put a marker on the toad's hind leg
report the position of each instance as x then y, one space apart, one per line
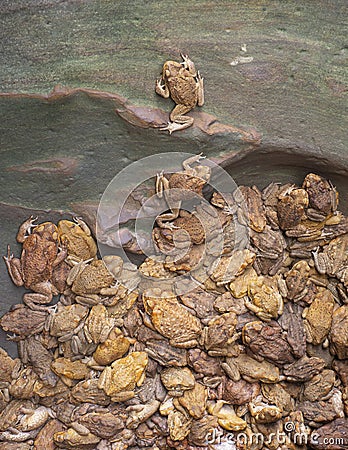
178 120
14 268
42 295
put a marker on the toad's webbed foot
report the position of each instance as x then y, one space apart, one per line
174 126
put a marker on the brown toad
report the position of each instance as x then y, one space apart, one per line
277 394
89 391
65 321
333 260
297 280
252 210
73 439
40 255
33 352
227 268
160 351
318 317
291 321
319 387
322 411
23 321
191 260
304 368
22 385
339 332
267 340
10 414
8 367
76 237
184 185
239 286
102 423
177 380
44 439
265 299
239 392
179 424
218 337
323 197
263 412
227 418
200 301
98 324
291 207
194 400
114 347
250 369
184 85
87 280
192 225
171 319
269 243
119 380
70 370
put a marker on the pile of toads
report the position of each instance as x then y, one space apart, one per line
258 347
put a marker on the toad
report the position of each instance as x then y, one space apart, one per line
333 260
172 319
184 185
265 299
184 84
339 332
119 380
34 269
77 238
318 317
87 281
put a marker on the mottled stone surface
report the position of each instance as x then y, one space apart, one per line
296 80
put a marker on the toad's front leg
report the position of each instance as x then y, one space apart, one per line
162 88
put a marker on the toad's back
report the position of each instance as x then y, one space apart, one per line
183 89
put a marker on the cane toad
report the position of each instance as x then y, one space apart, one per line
339 332
119 380
184 84
40 255
77 238
322 195
184 185
87 280
318 317
265 299
171 319
334 259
